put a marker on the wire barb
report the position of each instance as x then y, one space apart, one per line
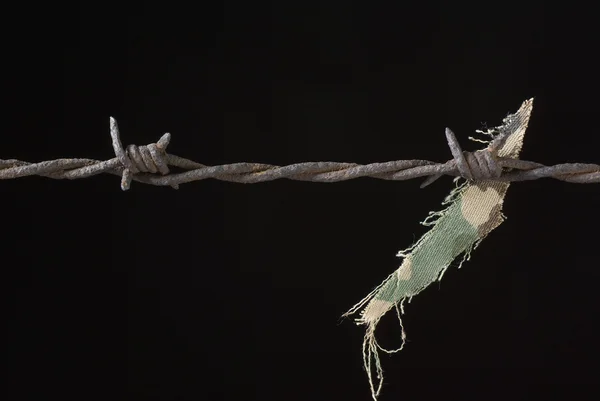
142 163
149 158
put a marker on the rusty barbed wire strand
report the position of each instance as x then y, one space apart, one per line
141 163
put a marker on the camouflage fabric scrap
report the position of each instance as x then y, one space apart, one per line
473 211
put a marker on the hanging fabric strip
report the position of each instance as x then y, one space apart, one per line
472 211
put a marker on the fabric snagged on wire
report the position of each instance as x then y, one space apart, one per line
472 211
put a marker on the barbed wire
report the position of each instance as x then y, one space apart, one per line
143 163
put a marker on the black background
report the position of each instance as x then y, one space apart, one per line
222 291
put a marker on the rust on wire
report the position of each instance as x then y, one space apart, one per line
150 164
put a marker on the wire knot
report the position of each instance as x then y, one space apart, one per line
474 166
151 158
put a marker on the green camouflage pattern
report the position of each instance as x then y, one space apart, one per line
473 211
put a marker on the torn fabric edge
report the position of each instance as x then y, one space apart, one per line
472 211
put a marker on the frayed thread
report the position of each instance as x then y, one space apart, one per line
371 348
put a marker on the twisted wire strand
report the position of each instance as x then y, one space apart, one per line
143 163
